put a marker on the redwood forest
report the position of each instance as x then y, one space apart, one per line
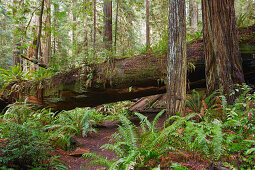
127 84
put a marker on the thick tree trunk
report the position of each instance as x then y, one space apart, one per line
147 23
108 24
222 59
176 58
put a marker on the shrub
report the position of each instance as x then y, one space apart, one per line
22 147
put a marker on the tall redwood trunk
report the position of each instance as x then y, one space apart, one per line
16 41
147 23
176 57
46 46
193 14
108 24
38 43
74 52
95 23
116 27
223 66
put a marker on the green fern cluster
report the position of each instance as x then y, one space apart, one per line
69 123
133 148
21 146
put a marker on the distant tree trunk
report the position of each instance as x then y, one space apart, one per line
223 66
16 42
56 43
47 44
95 24
116 27
39 32
108 24
193 14
86 26
176 58
147 23
74 28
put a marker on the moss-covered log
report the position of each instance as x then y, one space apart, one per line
129 78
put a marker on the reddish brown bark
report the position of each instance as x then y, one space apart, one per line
108 24
222 59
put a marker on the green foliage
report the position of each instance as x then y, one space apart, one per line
113 110
191 37
197 102
131 146
13 74
21 146
177 166
216 131
69 123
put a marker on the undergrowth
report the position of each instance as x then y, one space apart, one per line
221 133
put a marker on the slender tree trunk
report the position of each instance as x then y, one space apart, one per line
223 66
95 24
74 29
16 50
116 27
176 57
147 23
47 43
56 44
193 14
108 24
39 32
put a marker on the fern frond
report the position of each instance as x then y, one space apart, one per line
97 160
144 121
129 131
155 120
217 141
118 151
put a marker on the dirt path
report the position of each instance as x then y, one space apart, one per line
94 142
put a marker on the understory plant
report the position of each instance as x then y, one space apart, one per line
22 147
218 132
69 123
133 147
223 131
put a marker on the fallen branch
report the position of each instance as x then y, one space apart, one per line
35 61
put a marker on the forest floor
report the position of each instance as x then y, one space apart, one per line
93 142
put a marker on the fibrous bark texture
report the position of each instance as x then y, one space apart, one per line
108 24
147 23
223 66
176 57
193 14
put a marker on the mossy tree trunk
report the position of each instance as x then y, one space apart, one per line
223 66
176 57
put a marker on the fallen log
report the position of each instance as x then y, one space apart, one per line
128 78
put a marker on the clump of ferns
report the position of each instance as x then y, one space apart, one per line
133 148
208 107
67 124
205 137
